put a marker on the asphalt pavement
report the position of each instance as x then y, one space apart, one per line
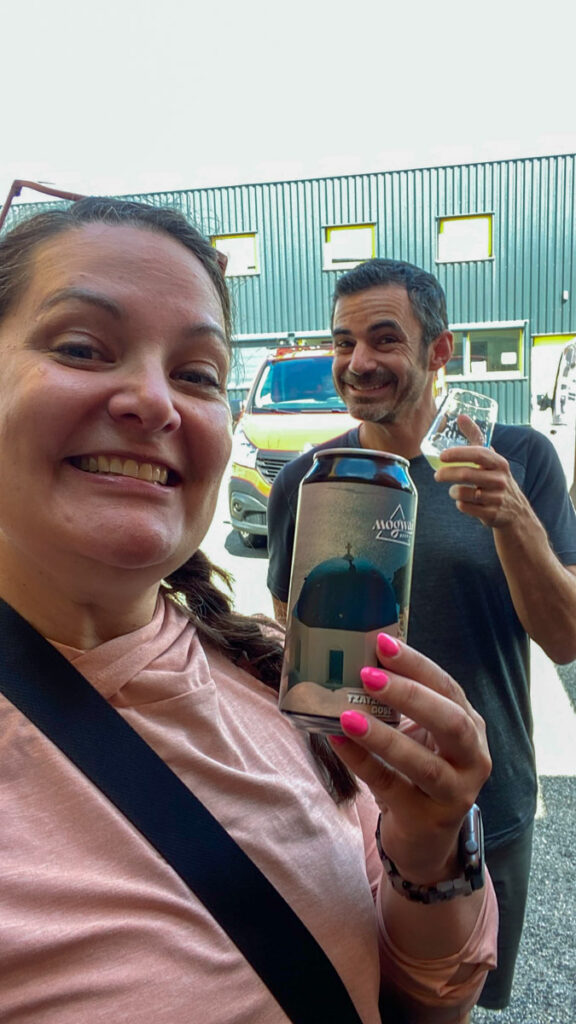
545 982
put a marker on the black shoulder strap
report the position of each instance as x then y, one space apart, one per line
39 681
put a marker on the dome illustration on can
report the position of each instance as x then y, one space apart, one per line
343 604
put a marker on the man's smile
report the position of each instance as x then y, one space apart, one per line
367 384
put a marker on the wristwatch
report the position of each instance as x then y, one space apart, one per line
470 855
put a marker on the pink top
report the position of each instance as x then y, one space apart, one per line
96 927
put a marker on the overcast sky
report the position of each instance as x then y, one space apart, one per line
124 97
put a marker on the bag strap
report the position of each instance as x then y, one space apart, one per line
42 683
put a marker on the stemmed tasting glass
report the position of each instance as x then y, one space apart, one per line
445 431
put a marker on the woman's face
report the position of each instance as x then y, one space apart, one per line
114 422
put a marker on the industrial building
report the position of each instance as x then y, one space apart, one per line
500 236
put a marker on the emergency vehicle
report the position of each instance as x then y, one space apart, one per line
292 406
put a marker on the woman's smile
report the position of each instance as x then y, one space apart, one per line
115 465
115 365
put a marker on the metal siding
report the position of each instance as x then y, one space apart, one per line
533 207
283 306
566 321
512 396
470 287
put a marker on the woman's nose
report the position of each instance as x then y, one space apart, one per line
145 397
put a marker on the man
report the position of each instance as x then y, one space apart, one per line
495 548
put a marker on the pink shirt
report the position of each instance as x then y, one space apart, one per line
96 927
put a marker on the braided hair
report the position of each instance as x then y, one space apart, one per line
247 642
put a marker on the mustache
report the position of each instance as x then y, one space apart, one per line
373 379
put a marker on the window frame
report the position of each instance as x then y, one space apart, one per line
346 264
440 221
489 326
219 242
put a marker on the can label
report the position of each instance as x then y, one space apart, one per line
350 581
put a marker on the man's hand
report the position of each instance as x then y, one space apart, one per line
485 490
543 590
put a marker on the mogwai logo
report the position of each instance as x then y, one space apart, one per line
395 529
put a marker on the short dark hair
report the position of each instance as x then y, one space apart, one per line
425 292
18 246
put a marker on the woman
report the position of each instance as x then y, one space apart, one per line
114 435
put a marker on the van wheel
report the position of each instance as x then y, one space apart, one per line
252 540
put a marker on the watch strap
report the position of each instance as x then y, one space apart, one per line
471 855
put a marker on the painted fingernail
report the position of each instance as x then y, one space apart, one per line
354 723
337 739
373 678
387 645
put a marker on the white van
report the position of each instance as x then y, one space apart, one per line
562 402
292 406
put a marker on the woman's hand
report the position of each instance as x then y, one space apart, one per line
424 775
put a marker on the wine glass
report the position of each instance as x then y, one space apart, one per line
445 431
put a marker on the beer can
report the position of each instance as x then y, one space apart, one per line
350 580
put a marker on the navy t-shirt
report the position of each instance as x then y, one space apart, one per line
461 612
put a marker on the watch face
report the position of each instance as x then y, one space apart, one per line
471 847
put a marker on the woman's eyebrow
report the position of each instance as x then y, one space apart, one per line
82 295
110 306
194 330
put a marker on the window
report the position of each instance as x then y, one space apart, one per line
465 238
242 253
346 245
455 366
335 668
487 351
297 385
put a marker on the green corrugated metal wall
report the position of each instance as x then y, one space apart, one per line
533 207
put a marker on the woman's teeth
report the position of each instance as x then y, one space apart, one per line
123 467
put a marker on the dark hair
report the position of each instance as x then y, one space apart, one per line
17 247
425 292
249 642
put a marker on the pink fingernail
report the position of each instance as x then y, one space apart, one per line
337 739
354 723
387 645
373 678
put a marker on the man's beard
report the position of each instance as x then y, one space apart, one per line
359 402
384 411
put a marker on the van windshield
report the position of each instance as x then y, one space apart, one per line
297 385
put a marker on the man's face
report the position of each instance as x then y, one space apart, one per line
380 364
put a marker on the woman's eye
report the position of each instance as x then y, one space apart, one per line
204 378
77 350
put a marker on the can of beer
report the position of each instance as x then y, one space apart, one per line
350 580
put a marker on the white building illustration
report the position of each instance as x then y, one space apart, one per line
343 604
